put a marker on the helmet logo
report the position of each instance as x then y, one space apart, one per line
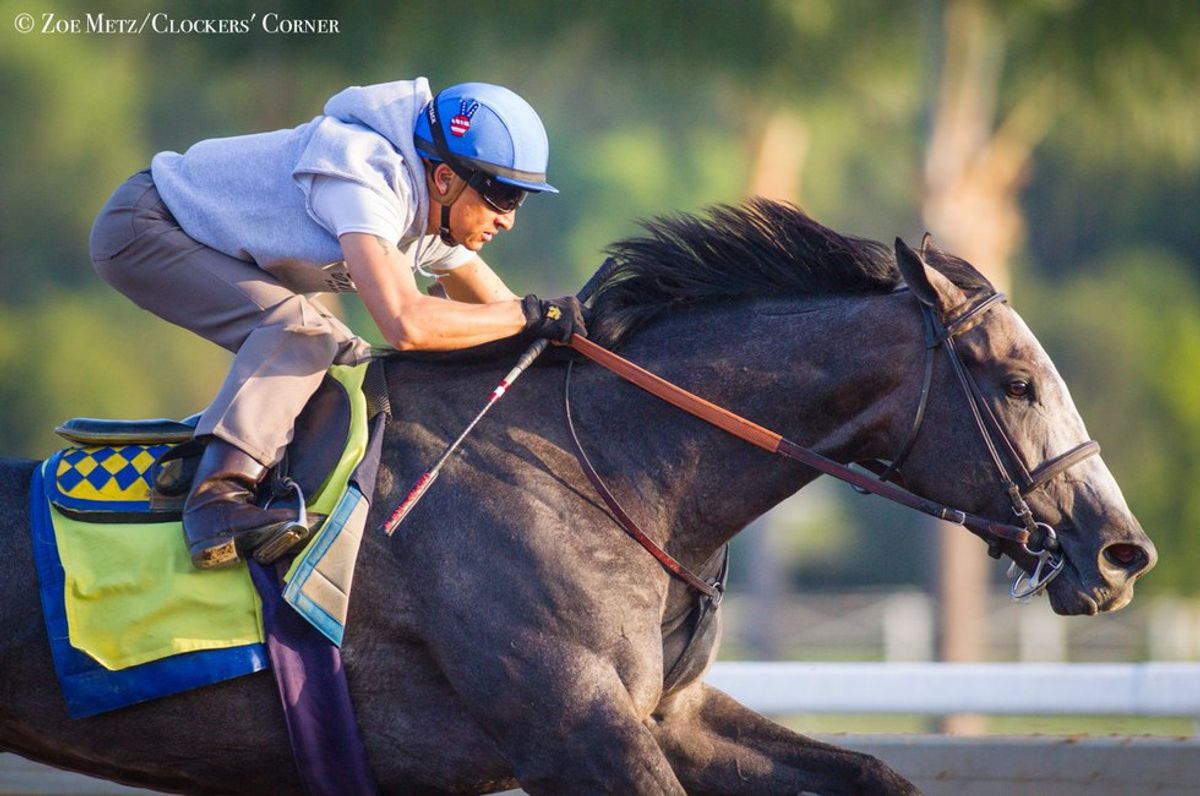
461 122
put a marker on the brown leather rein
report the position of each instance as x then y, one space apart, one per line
937 335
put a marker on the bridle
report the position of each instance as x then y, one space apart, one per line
1037 539
1042 544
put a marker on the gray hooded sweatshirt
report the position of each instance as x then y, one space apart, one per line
248 196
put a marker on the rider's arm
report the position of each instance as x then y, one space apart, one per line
410 320
475 283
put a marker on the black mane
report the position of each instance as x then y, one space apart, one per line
760 249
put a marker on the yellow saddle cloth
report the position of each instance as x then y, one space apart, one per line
133 596
130 591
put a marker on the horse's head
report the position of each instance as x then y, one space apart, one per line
1104 547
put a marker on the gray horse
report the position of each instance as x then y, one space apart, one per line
511 633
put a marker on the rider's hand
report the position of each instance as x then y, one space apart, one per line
555 319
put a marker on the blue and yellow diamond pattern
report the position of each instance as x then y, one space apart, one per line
112 478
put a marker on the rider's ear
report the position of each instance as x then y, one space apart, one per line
441 179
437 182
927 284
444 185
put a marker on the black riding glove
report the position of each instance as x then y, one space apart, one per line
555 319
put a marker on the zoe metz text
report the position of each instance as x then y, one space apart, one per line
161 22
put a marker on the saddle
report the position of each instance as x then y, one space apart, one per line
134 473
142 470
129 617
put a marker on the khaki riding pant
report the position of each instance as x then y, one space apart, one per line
283 342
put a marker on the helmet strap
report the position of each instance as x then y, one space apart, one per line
461 171
444 229
446 199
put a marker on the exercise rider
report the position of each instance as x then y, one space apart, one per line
231 238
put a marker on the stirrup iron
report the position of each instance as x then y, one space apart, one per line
288 535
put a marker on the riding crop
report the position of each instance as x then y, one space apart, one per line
422 484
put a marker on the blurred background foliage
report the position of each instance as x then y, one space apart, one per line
1056 143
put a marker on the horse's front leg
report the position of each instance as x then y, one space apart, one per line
718 746
560 714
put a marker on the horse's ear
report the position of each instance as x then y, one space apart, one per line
927 284
940 261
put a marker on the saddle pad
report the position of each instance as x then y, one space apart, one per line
112 478
319 579
91 688
132 594
318 584
128 616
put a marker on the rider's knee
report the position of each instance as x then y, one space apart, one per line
305 327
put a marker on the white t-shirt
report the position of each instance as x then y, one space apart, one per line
345 206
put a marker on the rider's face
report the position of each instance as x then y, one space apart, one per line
474 222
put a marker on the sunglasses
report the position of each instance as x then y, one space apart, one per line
501 197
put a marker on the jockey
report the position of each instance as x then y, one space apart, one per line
231 238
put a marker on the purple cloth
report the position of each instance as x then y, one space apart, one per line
326 745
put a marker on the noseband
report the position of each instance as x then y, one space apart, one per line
1042 543
1037 539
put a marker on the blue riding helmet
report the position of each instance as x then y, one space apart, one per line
486 128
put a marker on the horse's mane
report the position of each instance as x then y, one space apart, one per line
761 249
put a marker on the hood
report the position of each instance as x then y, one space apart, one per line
390 109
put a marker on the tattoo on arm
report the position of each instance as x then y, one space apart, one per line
383 244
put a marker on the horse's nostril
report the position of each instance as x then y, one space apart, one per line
1129 557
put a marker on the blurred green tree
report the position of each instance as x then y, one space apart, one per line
1076 120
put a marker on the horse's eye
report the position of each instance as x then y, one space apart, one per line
1018 388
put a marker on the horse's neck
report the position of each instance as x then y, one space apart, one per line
832 374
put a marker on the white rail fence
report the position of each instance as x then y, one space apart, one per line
988 765
1138 689
898 626
939 765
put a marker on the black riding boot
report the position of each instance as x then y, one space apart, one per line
220 519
